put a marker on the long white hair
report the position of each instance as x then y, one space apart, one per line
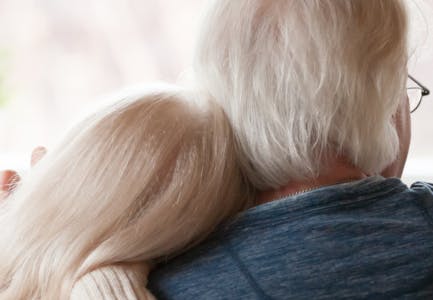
304 79
141 180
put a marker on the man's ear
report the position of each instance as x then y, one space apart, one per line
403 127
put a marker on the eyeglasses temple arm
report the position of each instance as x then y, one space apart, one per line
425 91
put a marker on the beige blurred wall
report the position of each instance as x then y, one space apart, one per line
58 57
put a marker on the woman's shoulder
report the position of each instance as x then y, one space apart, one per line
113 283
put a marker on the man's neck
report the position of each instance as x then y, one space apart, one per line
340 171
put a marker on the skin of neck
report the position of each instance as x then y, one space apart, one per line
339 171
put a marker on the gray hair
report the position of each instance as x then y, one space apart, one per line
301 80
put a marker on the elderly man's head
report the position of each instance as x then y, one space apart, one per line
305 80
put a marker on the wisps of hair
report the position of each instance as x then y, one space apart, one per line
301 80
141 180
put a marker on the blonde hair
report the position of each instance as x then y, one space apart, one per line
141 180
302 80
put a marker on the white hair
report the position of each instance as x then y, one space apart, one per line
304 79
141 180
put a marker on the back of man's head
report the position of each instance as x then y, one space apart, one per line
301 80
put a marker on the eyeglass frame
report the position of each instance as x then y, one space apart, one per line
424 91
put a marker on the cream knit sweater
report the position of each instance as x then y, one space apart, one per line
112 283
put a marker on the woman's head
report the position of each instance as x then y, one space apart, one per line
142 179
301 80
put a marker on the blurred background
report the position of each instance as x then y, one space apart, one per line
57 57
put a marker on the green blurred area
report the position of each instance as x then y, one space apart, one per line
3 93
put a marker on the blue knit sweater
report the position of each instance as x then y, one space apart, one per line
370 239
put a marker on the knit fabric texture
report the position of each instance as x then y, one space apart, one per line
369 239
111 283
